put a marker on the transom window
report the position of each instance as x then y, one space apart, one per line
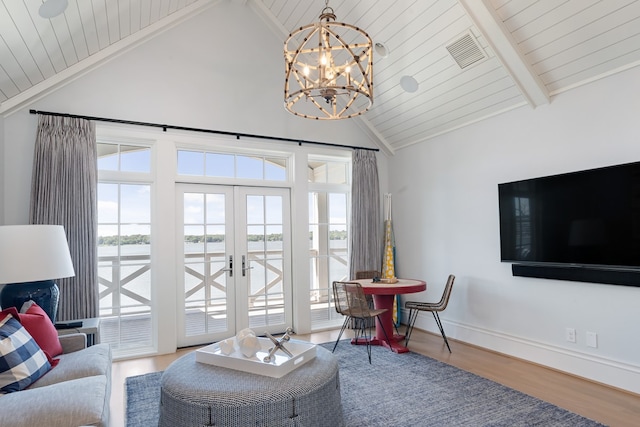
124 158
225 165
327 171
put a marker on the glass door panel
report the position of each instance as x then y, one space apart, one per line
236 266
266 234
206 305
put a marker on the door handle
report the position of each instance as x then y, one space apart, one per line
244 266
230 268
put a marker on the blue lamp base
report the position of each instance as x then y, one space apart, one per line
45 293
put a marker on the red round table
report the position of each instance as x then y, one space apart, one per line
383 297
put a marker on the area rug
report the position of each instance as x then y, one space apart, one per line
399 390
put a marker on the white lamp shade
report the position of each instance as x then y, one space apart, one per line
30 253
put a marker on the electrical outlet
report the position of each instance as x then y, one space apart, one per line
570 334
592 339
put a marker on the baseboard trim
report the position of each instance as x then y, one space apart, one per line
603 370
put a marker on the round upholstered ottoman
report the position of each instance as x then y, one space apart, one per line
197 394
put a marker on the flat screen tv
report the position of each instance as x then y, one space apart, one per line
586 219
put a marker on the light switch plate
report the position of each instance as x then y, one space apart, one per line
592 339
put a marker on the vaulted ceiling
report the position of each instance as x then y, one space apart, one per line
524 52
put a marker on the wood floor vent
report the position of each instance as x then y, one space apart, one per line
466 51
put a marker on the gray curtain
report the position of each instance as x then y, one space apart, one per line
63 192
366 227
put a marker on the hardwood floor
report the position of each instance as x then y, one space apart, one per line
598 402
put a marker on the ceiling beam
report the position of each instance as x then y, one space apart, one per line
376 136
486 19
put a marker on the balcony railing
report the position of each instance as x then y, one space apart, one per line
129 276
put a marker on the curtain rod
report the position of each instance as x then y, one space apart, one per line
164 127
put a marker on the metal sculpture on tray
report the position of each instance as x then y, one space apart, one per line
278 345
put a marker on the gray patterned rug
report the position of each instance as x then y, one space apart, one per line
399 390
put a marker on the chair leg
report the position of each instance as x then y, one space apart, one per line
367 337
371 322
361 331
344 325
413 314
439 323
364 331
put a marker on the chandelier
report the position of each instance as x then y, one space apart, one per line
329 70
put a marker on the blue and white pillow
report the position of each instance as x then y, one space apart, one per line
22 361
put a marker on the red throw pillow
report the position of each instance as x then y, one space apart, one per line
38 324
7 311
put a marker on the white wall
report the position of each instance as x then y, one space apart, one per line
2 163
446 221
208 72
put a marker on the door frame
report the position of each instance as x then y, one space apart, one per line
237 287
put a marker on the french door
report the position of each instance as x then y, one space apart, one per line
235 261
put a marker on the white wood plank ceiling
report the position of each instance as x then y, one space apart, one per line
532 50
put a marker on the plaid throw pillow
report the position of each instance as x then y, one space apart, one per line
22 361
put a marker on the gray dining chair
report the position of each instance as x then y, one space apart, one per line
368 274
350 301
415 307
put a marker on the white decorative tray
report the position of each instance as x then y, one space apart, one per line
280 365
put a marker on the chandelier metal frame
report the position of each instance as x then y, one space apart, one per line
328 70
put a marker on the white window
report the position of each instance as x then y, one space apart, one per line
225 165
124 245
328 235
145 180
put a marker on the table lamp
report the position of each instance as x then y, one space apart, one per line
31 257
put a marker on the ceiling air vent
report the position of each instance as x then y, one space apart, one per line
466 51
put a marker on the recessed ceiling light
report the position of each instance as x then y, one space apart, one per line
381 50
52 8
409 84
